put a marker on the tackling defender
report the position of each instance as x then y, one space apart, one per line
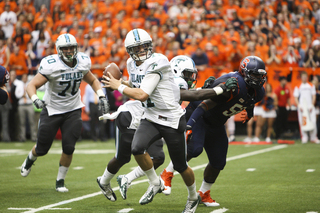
63 73
208 119
4 78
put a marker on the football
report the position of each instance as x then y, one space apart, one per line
114 70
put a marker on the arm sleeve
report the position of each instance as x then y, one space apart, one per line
150 82
3 96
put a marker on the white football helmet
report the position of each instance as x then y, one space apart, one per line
66 40
184 67
135 40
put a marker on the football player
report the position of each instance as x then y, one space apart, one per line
4 78
152 83
62 73
207 121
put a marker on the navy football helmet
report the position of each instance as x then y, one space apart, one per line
252 68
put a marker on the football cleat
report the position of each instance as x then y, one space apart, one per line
256 140
206 199
107 190
247 140
191 205
26 166
151 192
60 186
123 185
166 177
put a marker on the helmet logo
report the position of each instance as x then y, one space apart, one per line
136 35
244 63
67 38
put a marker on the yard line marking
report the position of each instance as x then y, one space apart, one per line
146 180
11 152
125 210
310 170
33 208
250 169
78 167
219 210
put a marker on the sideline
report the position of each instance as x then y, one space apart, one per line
146 180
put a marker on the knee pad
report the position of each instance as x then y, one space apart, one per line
218 165
157 162
68 150
194 152
42 152
180 168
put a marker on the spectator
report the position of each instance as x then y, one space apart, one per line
315 82
18 61
311 60
25 110
7 21
31 56
274 59
200 58
297 46
291 57
41 44
263 22
4 54
305 98
269 111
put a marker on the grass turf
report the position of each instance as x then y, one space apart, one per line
279 182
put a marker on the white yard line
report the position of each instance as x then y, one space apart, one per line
219 210
146 180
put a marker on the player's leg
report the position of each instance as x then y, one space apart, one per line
304 135
175 139
22 119
216 146
314 132
248 139
231 127
259 124
48 127
146 134
70 131
123 141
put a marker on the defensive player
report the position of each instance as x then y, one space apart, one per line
208 119
4 78
185 74
63 73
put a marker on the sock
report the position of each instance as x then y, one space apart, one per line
205 186
134 174
62 172
192 192
170 167
152 176
31 156
106 177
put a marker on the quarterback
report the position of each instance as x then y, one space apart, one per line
62 73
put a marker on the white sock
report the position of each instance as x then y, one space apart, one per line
192 192
152 176
134 174
106 177
31 156
205 186
62 172
170 167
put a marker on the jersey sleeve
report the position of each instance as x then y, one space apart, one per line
222 98
85 62
158 65
44 68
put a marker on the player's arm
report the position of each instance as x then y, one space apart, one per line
148 84
3 95
96 86
32 87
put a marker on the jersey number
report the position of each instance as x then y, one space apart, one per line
235 109
149 103
75 87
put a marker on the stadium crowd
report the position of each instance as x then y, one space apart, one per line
216 34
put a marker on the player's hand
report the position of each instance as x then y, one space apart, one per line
209 81
230 84
110 82
39 104
188 133
103 105
244 117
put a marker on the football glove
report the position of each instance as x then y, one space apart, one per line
103 105
244 117
39 104
230 84
209 81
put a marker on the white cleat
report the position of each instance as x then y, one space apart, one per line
60 186
191 205
123 185
107 190
207 200
151 192
26 167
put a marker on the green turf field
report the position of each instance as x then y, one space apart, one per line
279 182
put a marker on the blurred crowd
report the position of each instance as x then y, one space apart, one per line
216 34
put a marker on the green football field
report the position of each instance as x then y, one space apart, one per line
257 178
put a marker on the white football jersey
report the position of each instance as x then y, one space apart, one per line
182 84
162 106
304 93
62 92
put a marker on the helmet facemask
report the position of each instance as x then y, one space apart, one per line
189 76
141 51
256 79
68 57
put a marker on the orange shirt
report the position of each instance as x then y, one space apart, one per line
3 55
228 10
247 13
19 60
98 60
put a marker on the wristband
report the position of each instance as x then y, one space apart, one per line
34 97
199 88
218 90
100 93
121 88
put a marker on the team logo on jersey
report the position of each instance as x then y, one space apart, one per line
244 63
241 100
